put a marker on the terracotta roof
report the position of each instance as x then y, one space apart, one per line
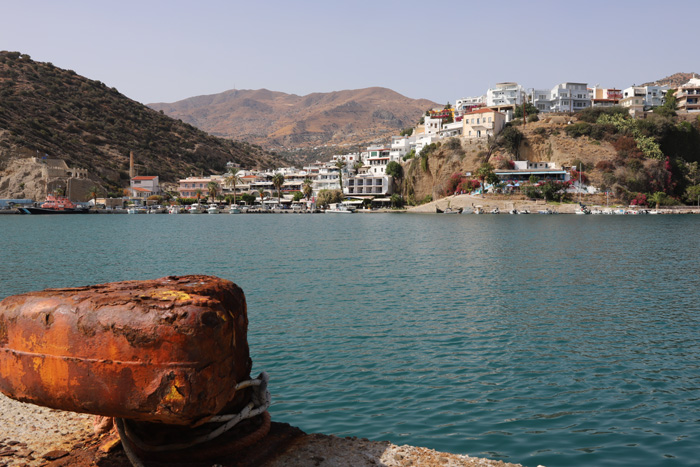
144 177
143 190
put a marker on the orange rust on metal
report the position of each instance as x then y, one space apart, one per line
169 350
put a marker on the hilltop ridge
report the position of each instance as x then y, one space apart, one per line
278 120
49 111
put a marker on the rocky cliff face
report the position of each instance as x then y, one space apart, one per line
22 179
544 141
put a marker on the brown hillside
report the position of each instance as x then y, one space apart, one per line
279 120
45 110
674 81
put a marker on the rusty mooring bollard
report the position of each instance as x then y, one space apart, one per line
165 354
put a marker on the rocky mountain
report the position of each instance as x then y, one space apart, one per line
49 112
282 121
675 80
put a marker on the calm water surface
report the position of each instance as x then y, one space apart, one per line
554 340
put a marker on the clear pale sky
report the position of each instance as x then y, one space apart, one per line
164 51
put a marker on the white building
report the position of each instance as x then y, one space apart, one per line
541 100
377 160
688 96
564 97
328 178
144 186
432 126
424 140
400 146
467 104
505 94
451 129
350 159
366 183
653 96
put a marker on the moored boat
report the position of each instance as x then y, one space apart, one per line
448 210
213 209
196 209
56 204
339 208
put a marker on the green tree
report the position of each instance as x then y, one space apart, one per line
530 109
485 173
277 182
233 179
248 199
397 201
213 189
670 100
510 139
327 197
660 198
395 170
298 196
692 194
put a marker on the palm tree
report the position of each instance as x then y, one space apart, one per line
307 189
232 179
94 193
277 182
198 194
262 194
340 164
213 189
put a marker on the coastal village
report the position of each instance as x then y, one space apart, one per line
369 180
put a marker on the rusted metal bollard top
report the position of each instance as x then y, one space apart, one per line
169 350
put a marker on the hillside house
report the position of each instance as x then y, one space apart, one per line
604 97
482 123
144 186
688 96
652 96
368 182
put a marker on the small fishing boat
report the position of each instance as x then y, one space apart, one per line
196 209
213 209
448 210
234 209
339 208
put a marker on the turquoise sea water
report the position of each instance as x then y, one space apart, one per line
553 340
